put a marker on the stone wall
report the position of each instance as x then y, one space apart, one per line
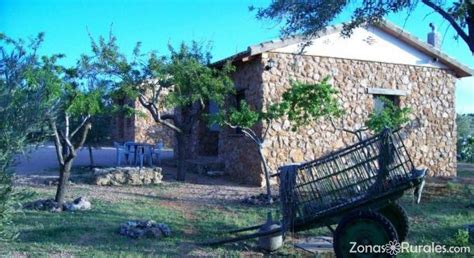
140 127
147 130
237 152
123 128
431 141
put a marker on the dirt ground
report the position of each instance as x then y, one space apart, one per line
197 190
204 192
197 194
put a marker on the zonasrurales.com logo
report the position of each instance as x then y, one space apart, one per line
393 247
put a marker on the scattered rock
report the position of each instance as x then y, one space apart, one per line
144 228
42 205
260 199
80 203
54 182
127 176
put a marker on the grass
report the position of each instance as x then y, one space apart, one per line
94 232
465 170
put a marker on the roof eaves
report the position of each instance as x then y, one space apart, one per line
275 44
460 69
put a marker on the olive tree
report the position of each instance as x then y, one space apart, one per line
310 17
22 104
77 98
301 104
174 89
465 134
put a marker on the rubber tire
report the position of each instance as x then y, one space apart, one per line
353 218
399 218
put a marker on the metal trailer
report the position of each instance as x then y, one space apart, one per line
355 187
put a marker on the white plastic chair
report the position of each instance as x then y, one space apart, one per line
144 153
131 152
121 151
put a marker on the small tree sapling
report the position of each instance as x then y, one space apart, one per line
301 104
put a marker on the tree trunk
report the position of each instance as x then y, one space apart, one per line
64 173
91 157
180 137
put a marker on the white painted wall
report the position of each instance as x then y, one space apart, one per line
370 44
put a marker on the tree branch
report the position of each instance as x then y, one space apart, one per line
85 132
170 125
450 19
156 115
66 118
269 122
168 117
250 134
68 143
80 126
57 142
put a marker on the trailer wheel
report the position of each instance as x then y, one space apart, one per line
399 218
363 228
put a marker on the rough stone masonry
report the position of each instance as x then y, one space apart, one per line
430 94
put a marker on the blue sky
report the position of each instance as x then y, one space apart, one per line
226 23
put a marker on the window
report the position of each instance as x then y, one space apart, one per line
379 104
392 95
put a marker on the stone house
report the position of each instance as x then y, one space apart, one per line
375 61
139 127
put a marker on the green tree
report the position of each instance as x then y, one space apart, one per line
21 108
464 125
300 104
311 16
465 135
76 98
391 117
175 89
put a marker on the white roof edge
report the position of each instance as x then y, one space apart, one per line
460 69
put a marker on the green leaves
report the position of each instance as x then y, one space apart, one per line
86 103
465 134
195 82
301 104
243 116
391 116
179 81
305 102
23 76
312 17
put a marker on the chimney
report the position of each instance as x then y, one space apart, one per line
434 37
